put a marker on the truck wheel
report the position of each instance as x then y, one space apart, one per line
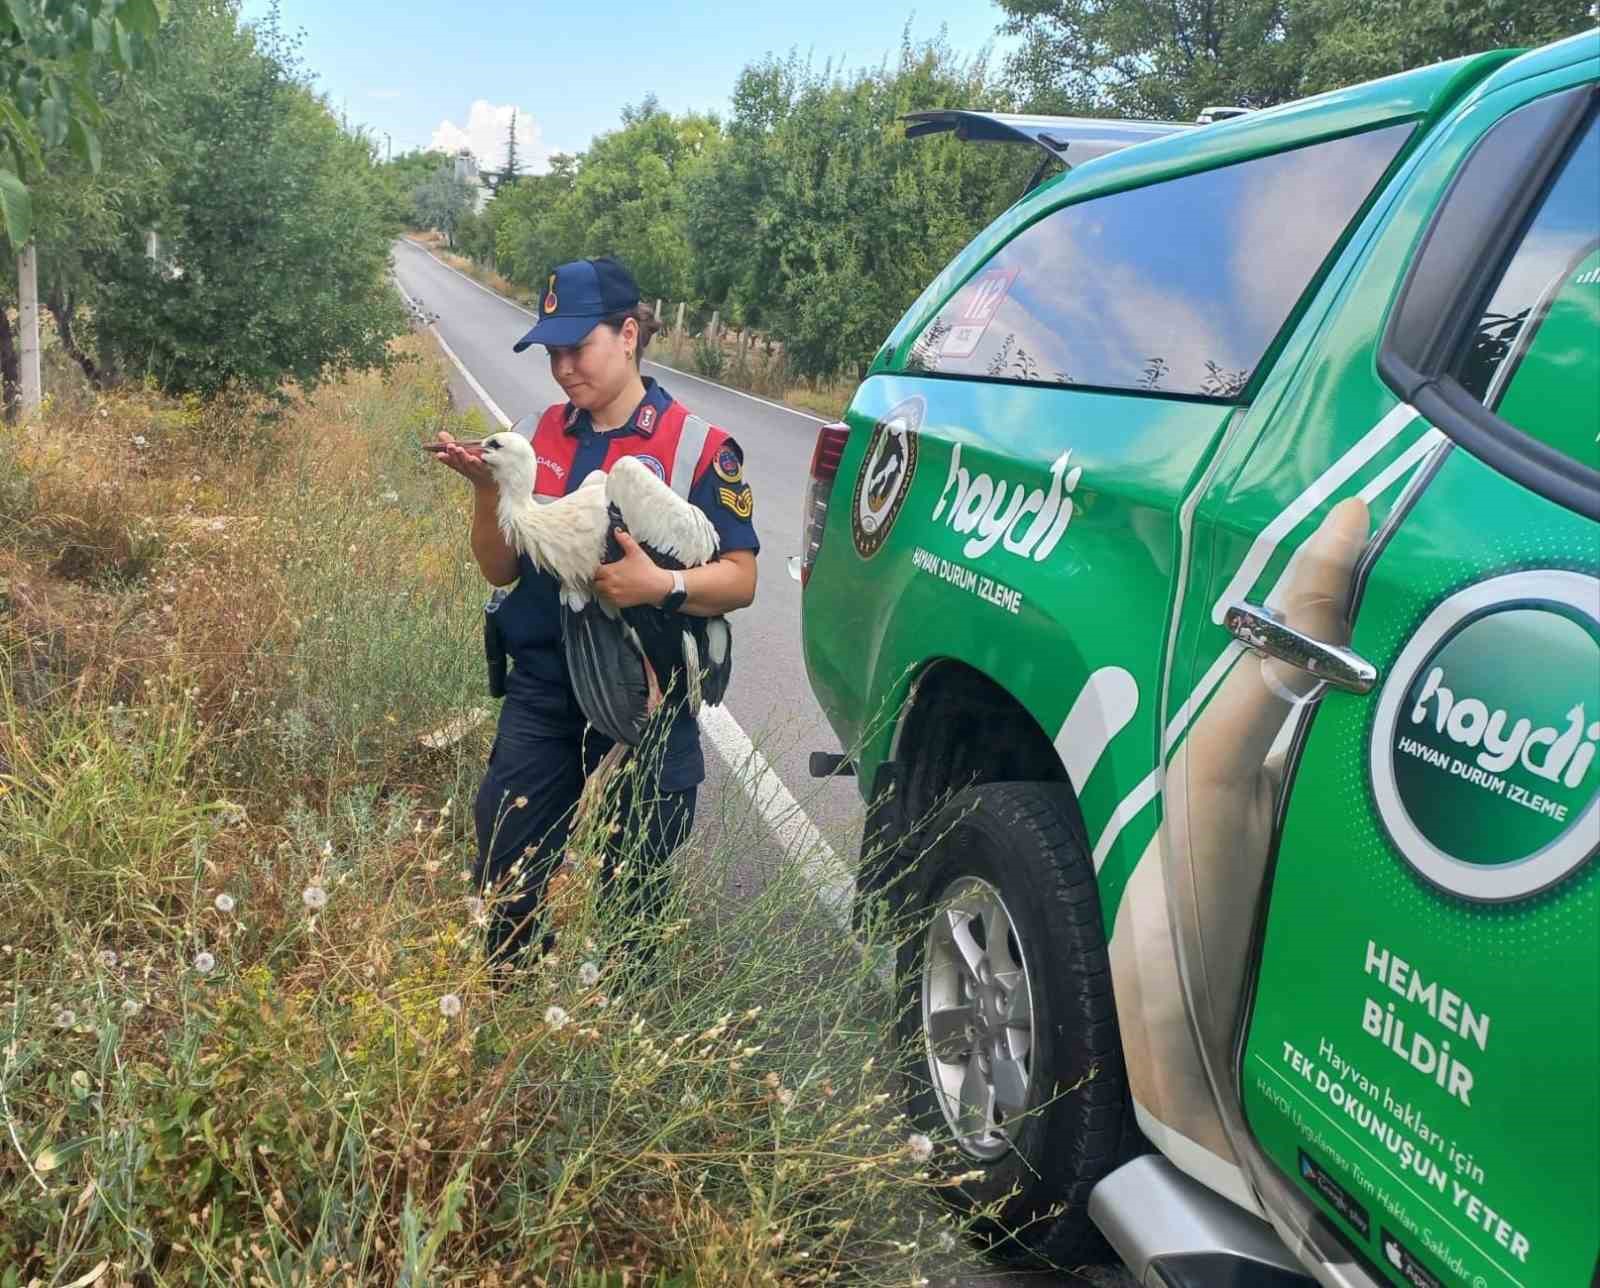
1006 1017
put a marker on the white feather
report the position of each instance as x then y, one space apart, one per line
567 536
658 517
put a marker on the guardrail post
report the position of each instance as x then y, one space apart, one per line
679 327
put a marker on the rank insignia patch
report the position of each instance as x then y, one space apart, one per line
740 500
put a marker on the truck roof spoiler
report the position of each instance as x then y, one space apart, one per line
1069 140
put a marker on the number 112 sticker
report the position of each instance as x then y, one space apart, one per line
981 300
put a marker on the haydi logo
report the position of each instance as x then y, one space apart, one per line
1483 745
1469 722
1026 522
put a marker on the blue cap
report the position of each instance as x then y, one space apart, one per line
579 294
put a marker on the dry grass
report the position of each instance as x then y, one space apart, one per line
247 1033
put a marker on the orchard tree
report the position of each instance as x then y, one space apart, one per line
442 200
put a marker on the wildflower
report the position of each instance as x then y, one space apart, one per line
946 1242
555 1017
108 959
588 974
476 909
205 963
450 1006
327 849
445 812
315 897
223 903
521 802
130 1008
786 1097
66 1018
773 1080
920 1147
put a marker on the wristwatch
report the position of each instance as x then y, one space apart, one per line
675 597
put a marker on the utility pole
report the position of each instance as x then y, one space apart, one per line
28 324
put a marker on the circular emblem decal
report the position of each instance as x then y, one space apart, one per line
1483 755
654 466
885 477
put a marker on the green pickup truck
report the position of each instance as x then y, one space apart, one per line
1203 584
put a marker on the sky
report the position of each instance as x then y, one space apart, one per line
448 75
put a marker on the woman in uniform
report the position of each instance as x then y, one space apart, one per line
594 328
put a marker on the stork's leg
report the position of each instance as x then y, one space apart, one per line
594 787
653 698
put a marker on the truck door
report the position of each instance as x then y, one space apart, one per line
1386 808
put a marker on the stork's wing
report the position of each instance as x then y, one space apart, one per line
658 517
716 658
607 670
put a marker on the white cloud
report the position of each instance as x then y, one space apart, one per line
485 134
384 93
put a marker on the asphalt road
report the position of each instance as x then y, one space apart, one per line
769 696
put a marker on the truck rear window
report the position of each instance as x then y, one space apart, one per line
1174 288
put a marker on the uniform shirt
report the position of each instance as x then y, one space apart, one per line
528 615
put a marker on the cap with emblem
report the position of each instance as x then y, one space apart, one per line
576 297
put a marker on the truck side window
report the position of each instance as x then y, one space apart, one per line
1173 288
1533 356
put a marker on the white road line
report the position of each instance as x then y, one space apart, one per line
687 375
765 402
483 394
777 806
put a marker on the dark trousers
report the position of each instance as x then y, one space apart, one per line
545 764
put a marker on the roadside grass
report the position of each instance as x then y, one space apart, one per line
247 1030
739 361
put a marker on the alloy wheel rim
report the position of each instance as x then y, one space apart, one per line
977 1017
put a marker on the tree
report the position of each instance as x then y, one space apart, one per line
401 177
441 200
54 62
1171 58
274 236
513 167
1166 59
819 220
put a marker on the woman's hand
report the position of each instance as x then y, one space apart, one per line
469 464
634 579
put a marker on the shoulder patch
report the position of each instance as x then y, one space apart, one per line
729 468
740 500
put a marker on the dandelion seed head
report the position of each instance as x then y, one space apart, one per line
130 1008
108 959
588 974
204 963
315 897
450 1006
223 903
555 1017
66 1018
920 1147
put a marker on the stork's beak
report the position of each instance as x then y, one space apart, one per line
472 447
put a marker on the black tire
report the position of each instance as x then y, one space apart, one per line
1022 840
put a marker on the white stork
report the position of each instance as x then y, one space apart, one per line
568 538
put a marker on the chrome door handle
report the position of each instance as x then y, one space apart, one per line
1263 631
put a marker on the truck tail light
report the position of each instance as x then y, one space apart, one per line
825 460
